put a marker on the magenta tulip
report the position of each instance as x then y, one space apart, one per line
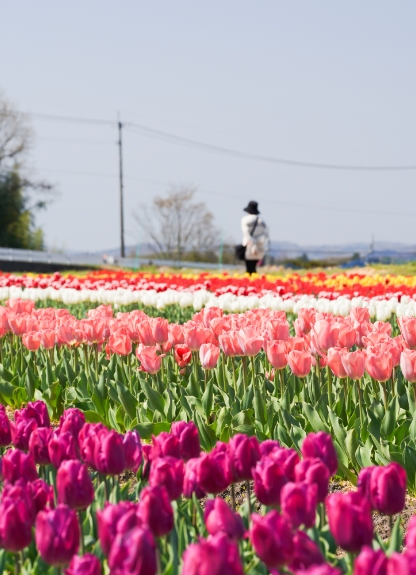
320 445
370 562
213 471
350 520
21 432
298 502
16 519
219 518
267 446
269 478
200 558
155 510
272 539
86 565
165 444
133 553
16 465
109 457
39 445
288 459
61 447
42 495
314 472
168 472
190 480
188 436
36 410
5 434
74 485
244 452
132 450
57 535
388 488
114 519
306 553
72 421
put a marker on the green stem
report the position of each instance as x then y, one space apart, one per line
244 362
81 547
234 378
360 400
383 385
16 564
252 371
282 382
329 374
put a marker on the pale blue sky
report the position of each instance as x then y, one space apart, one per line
319 81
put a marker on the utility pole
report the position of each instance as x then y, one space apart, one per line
120 153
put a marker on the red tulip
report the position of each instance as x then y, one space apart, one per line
208 355
300 362
219 518
16 465
298 502
272 539
320 445
200 558
133 553
74 485
86 565
350 521
168 472
276 353
57 535
182 355
379 365
155 510
188 436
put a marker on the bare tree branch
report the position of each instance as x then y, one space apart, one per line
15 133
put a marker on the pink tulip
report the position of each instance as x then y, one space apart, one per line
47 338
276 354
335 361
175 334
374 338
325 334
150 361
360 314
276 330
408 364
225 341
304 321
295 343
194 336
300 362
31 340
354 364
250 341
208 355
159 327
17 323
408 330
347 335
120 343
19 306
145 334
379 365
94 329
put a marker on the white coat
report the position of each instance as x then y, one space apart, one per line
256 243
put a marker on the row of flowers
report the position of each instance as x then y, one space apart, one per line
63 482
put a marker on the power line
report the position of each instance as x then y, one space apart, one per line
166 136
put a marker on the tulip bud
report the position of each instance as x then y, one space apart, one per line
272 539
39 445
199 558
190 480
350 520
188 436
155 510
306 553
213 471
219 518
114 519
314 472
165 444
16 465
16 518
133 552
86 565
74 485
42 495
269 478
5 434
72 421
132 450
299 501
62 447
244 452
320 445
57 535
370 562
168 472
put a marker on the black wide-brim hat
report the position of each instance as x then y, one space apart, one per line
252 208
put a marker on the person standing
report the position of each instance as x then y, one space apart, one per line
255 237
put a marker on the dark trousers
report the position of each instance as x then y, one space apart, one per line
251 266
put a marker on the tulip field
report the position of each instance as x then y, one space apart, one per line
131 403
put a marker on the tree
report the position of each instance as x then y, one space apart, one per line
20 196
177 225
